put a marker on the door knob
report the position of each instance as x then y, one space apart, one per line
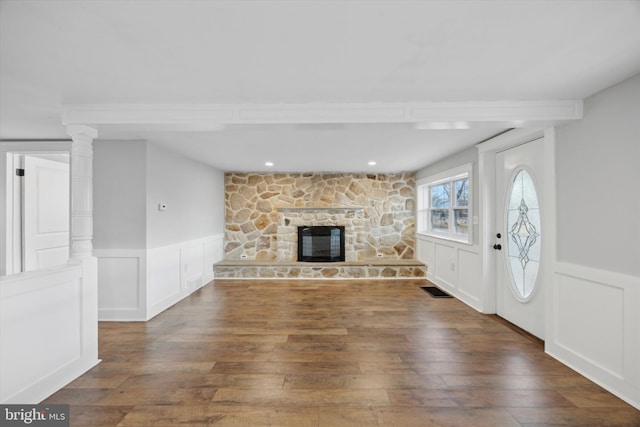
498 235
497 246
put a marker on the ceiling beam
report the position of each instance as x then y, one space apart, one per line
431 115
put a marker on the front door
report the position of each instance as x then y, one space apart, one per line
519 276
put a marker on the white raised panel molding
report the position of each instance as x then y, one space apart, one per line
469 271
138 284
163 279
213 252
48 337
176 271
454 267
199 116
445 265
192 263
595 327
122 279
425 252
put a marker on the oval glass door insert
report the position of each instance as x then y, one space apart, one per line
523 229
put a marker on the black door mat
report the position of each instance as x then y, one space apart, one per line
435 292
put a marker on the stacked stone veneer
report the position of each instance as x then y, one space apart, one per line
310 270
263 211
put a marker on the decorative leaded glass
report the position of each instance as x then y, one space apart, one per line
523 228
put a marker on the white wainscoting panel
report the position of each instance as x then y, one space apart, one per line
469 277
163 279
176 271
137 284
454 267
44 337
191 261
585 305
121 284
595 327
213 252
445 265
426 252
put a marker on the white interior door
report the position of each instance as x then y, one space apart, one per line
45 213
519 275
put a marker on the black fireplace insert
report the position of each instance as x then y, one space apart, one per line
321 243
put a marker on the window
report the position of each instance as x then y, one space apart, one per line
444 205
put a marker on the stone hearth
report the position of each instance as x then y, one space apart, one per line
374 269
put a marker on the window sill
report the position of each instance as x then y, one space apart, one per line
462 241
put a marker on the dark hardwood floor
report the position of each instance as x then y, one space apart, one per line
330 353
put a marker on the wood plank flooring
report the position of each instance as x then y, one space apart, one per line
329 353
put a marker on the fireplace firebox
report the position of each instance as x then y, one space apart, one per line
321 243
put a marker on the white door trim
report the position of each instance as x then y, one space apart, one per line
486 170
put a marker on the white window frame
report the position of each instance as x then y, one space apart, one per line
423 193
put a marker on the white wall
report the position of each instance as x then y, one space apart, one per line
150 259
455 267
119 185
595 300
193 193
598 175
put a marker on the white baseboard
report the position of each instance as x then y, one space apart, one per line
47 386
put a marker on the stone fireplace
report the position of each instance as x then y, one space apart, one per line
353 221
263 213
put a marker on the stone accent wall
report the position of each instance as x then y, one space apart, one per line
262 212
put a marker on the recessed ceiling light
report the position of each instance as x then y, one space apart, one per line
268 164
372 163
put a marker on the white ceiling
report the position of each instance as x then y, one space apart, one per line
122 53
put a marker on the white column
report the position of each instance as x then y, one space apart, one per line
81 251
81 190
